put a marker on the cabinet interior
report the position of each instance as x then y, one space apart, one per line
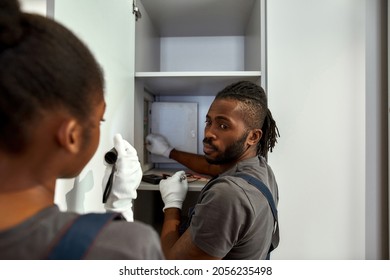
197 47
190 50
187 51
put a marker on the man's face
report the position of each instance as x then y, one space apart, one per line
225 134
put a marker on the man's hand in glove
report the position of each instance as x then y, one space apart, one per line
158 144
174 190
126 178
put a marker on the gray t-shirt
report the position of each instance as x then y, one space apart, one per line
232 218
117 240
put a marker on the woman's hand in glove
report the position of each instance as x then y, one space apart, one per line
126 179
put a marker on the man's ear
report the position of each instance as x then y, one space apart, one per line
254 136
69 135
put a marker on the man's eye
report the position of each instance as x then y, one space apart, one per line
223 126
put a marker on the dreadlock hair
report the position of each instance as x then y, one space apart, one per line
257 115
44 67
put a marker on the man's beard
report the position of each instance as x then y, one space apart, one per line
232 152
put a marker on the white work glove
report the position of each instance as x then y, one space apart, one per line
126 179
158 144
174 190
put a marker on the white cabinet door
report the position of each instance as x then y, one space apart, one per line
107 28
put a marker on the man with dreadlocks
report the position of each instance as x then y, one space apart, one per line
232 218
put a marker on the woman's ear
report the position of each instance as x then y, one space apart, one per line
69 135
254 136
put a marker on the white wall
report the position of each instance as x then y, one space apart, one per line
317 93
34 6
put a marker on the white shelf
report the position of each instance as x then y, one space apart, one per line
193 82
173 74
192 186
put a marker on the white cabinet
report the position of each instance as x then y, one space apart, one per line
187 51
177 51
190 50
